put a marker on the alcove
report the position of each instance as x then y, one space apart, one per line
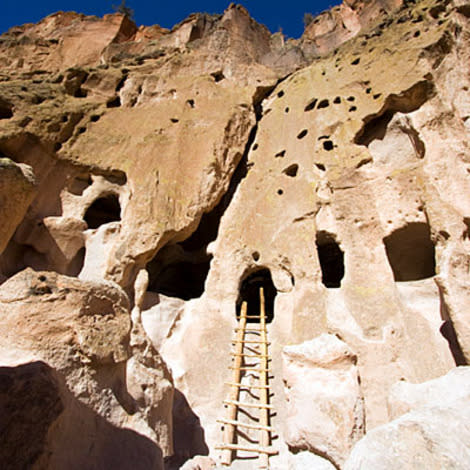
103 210
331 259
180 269
250 292
410 252
180 277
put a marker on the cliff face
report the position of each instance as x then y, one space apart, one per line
147 174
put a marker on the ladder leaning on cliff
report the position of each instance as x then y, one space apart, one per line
234 405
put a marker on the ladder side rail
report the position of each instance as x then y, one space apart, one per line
264 435
229 429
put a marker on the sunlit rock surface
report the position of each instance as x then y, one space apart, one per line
149 177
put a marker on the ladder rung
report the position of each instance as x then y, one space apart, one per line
260 450
254 316
238 384
248 342
255 369
251 330
251 355
248 405
245 425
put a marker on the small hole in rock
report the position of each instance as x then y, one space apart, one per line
6 110
356 61
57 146
311 105
323 104
377 96
218 76
80 93
337 100
95 118
302 134
255 255
280 154
280 192
190 103
416 34
286 110
328 145
350 98
352 108
114 103
174 120
280 94
292 170
255 146
320 166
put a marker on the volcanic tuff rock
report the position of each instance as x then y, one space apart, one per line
434 434
146 174
322 387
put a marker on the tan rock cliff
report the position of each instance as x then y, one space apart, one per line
150 178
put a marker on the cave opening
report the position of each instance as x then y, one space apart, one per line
411 252
250 293
102 211
180 269
331 259
176 273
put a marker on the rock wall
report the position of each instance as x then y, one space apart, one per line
145 174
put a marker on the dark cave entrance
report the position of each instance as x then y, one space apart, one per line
102 211
331 259
411 252
250 292
180 269
176 273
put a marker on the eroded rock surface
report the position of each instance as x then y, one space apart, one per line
80 331
433 434
325 411
160 172
45 426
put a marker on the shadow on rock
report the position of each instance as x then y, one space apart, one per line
43 425
188 434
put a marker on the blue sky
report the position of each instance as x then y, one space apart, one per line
275 15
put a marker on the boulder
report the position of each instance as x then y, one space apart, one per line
405 396
17 190
324 403
433 437
85 340
45 426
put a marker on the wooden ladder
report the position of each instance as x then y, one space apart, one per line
251 344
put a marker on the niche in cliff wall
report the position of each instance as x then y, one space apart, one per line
180 269
411 252
103 210
331 259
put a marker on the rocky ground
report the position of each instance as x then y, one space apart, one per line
146 175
